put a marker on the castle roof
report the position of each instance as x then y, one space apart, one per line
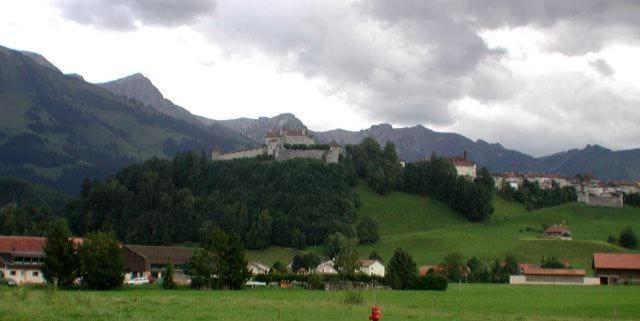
333 143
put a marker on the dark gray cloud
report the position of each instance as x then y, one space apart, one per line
415 61
602 67
125 14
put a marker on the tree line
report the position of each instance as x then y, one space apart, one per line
292 203
535 197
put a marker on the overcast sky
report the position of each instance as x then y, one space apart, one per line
539 76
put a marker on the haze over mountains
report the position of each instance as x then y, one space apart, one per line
56 129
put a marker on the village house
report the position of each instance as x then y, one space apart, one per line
559 232
423 270
258 268
371 267
21 258
621 186
535 274
464 165
326 267
285 144
151 261
616 268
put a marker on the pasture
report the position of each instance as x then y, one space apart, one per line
459 302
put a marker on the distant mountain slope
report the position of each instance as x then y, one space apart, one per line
256 129
414 143
139 87
597 160
57 129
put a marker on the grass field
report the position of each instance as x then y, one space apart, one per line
465 302
429 230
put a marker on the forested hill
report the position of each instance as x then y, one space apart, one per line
293 203
57 129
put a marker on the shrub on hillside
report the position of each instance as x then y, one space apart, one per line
368 230
401 271
435 281
628 238
101 261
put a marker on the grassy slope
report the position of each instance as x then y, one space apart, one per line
429 230
466 302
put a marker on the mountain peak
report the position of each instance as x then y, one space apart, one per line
138 87
40 60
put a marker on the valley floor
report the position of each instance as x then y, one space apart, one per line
459 302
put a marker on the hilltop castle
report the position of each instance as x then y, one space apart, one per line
284 144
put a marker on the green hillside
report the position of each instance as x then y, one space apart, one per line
429 230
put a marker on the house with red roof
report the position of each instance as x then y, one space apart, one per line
536 274
21 258
464 165
617 268
559 232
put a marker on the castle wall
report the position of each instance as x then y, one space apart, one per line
288 154
601 201
298 140
249 153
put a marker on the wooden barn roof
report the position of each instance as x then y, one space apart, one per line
22 244
161 254
616 261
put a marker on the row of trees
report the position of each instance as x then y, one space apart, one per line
438 178
379 167
97 261
632 199
535 197
293 203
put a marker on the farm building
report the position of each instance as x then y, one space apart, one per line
371 267
326 267
534 274
617 268
21 258
257 268
151 261
559 232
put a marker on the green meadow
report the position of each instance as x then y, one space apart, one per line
429 230
459 302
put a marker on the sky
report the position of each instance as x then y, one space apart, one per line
539 76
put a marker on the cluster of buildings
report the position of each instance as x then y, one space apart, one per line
284 144
608 268
590 190
21 259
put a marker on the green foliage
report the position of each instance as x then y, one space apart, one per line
315 282
368 230
259 234
632 199
60 266
22 193
308 261
435 281
307 147
628 238
347 256
534 197
168 283
485 179
278 267
101 261
454 267
24 220
184 199
379 167
201 269
229 264
332 244
551 262
438 178
374 255
478 272
401 271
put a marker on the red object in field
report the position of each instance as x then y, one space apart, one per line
376 315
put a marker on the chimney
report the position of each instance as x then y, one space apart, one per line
464 154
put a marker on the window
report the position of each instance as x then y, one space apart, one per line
35 273
12 273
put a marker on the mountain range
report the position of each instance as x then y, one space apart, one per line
57 129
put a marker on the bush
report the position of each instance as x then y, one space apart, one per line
368 231
101 262
401 271
628 238
434 281
315 282
168 283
